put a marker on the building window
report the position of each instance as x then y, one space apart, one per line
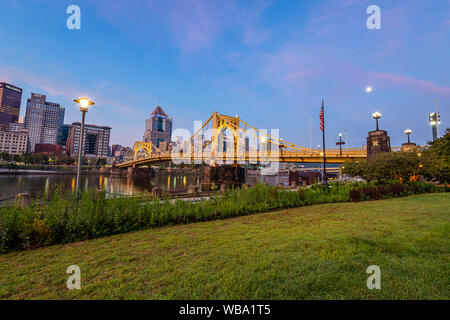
160 125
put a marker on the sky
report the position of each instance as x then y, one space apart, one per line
270 62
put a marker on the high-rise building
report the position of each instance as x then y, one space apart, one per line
18 126
42 120
96 140
114 148
14 142
63 134
10 99
158 128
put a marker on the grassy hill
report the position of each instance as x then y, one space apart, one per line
316 252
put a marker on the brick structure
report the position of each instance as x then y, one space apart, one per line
377 142
409 146
223 175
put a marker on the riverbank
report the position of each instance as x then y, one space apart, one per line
56 218
33 172
316 252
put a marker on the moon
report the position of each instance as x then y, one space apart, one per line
369 89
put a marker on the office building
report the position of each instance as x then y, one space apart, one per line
14 142
10 99
42 119
114 148
63 134
16 127
158 128
95 141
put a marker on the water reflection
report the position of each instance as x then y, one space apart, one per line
10 185
169 182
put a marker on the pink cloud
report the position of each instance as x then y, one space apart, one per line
410 83
57 88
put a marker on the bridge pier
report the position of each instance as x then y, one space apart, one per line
118 172
138 172
227 176
294 178
309 178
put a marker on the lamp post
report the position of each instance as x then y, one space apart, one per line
84 106
376 116
437 120
408 132
434 119
340 143
346 139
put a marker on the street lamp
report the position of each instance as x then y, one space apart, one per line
84 106
408 132
376 116
437 120
346 138
340 143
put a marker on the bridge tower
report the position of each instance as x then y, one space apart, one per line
220 123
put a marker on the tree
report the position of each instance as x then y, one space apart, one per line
436 159
385 166
4 156
12 166
433 164
441 147
101 162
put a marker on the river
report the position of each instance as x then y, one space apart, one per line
37 184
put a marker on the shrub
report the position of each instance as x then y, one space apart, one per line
356 195
55 218
371 193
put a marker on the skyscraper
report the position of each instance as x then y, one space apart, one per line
10 99
42 120
158 128
63 134
96 140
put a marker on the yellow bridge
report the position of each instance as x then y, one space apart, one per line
226 140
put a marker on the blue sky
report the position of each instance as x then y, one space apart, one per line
270 62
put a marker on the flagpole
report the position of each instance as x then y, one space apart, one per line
325 180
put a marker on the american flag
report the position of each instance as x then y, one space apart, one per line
321 118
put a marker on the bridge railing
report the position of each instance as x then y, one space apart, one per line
261 155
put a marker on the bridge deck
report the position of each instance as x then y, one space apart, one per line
252 157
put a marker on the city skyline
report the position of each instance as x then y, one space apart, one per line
238 59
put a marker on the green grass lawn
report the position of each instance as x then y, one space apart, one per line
316 252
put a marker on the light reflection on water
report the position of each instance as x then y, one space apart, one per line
11 185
